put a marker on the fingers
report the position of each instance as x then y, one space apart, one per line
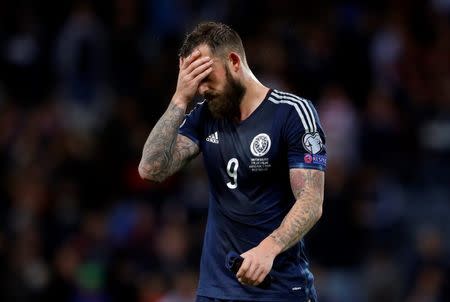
249 272
197 63
199 69
202 75
252 273
194 55
194 68
260 276
255 275
243 269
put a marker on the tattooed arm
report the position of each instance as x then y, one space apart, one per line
307 186
165 151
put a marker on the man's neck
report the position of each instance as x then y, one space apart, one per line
253 97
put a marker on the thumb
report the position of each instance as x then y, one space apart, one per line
243 255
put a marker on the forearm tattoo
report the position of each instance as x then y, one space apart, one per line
165 151
307 186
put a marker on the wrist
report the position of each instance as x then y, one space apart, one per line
179 101
271 245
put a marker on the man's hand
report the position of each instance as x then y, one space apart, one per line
193 70
257 263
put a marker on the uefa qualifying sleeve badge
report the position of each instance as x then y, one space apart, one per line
312 142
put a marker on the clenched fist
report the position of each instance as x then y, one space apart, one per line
256 265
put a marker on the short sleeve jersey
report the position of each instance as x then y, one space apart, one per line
248 167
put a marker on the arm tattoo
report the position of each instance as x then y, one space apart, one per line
307 186
165 152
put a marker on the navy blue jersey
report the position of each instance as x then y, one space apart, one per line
249 190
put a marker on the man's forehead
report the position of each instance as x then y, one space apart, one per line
204 50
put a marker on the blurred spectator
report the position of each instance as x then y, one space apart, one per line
80 58
126 56
428 270
152 288
340 121
24 71
185 284
382 277
386 48
61 286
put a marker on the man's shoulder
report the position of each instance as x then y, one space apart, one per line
289 101
288 97
296 109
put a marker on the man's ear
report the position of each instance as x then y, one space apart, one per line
235 62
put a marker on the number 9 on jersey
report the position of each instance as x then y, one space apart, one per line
232 167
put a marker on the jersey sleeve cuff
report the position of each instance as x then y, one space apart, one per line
190 136
307 166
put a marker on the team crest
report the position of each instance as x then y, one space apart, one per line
260 145
312 142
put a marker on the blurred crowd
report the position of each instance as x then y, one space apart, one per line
83 82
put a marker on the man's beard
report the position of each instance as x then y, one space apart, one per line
227 104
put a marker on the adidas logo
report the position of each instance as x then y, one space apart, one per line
213 138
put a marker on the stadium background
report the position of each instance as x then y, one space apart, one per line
82 83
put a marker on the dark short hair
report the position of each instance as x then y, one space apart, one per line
218 36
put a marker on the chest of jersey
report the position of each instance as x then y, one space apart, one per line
243 156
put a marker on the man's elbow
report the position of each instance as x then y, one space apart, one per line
150 173
319 212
